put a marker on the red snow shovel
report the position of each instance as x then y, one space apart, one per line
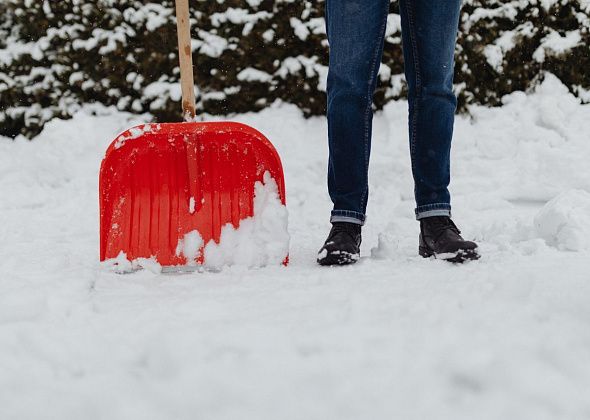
158 182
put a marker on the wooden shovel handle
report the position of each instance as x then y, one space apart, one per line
185 55
187 84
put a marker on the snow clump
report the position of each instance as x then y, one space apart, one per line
564 222
260 240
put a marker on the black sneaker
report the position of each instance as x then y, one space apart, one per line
440 237
342 246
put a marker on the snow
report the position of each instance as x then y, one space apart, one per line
251 74
210 44
122 265
299 28
237 16
152 15
190 247
159 89
259 241
394 336
293 65
565 221
508 11
135 132
556 45
495 52
268 35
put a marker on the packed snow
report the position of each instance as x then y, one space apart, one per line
395 336
190 247
564 222
261 240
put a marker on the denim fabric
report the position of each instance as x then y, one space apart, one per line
356 30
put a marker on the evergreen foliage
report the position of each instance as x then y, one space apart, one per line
57 55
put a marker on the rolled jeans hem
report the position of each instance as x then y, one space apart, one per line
348 216
433 210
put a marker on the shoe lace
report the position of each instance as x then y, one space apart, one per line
347 228
441 224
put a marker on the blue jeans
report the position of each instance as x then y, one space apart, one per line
356 30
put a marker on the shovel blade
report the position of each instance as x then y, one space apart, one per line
159 182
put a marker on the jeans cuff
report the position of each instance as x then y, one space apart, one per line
348 216
431 210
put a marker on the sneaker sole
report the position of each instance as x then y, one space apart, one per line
338 259
456 258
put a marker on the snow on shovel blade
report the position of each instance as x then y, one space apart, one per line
160 182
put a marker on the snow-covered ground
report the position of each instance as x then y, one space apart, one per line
394 337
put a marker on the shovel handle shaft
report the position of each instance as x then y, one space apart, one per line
185 56
187 84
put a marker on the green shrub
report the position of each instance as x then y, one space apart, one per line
57 55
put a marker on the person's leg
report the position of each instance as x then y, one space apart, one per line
356 30
429 31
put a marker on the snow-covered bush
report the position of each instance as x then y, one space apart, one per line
56 55
508 45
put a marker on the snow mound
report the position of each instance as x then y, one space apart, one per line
189 246
122 265
564 222
260 240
